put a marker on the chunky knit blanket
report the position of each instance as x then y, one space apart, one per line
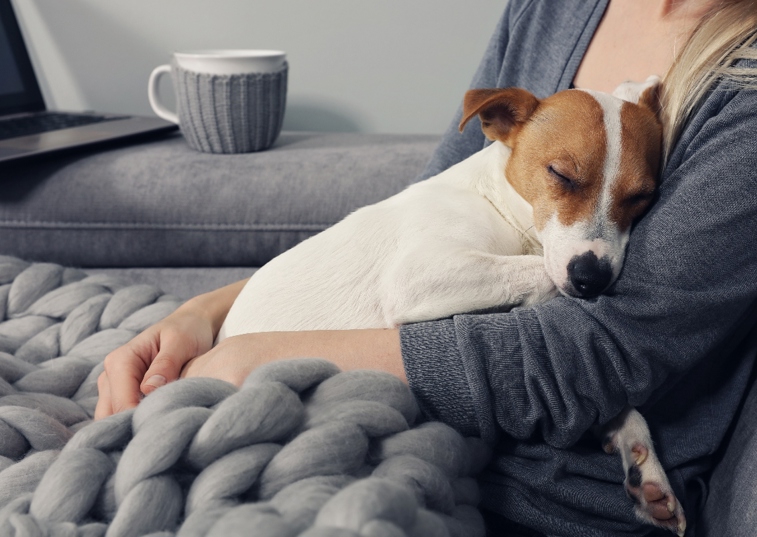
299 449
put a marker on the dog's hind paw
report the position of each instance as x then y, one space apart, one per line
648 487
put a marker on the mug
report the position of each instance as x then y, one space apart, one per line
228 101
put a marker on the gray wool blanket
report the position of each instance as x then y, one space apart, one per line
300 449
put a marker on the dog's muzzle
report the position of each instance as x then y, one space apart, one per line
589 275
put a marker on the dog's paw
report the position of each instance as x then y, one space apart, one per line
647 485
542 287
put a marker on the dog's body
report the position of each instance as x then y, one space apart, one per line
546 208
436 249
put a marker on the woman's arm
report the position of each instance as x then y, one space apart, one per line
687 291
235 357
157 355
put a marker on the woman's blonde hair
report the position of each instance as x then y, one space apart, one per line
724 36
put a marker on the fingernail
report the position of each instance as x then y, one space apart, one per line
156 381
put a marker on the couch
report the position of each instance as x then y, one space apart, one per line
158 212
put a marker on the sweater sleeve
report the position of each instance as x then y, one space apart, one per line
687 291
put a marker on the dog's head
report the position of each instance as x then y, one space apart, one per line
587 163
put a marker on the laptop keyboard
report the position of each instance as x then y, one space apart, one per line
47 121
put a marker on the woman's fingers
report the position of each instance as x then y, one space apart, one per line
175 350
153 358
103 408
118 385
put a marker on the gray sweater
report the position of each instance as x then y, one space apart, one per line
673 337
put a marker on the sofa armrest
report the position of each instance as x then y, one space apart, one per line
161 204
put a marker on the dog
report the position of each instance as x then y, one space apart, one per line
545 209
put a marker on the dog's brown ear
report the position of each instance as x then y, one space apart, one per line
500 110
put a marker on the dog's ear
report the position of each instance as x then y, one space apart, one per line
500 110
647 93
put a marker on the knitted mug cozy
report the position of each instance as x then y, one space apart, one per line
230 113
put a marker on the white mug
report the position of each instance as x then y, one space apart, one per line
214 62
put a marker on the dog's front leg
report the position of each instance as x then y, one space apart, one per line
422 289
646 482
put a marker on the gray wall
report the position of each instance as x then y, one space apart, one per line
355 65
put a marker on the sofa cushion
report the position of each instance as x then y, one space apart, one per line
163 204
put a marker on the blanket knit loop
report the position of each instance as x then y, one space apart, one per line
301 449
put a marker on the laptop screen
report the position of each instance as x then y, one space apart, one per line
19 91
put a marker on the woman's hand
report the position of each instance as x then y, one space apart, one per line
235 357
151 359
231 360
157 355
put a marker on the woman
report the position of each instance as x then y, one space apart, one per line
669 338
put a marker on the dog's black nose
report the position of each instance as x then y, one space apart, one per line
589 275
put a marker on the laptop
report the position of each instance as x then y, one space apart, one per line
28 129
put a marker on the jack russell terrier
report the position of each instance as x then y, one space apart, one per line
545 209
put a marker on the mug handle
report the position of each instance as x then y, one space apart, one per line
152 94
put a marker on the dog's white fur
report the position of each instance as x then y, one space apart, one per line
438 248
465 240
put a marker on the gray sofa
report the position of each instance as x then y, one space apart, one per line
162 213
158 212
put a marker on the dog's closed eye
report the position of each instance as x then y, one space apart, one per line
562 178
